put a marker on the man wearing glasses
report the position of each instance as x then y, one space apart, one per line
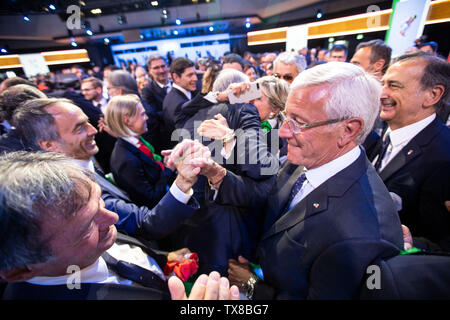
288 65
329 215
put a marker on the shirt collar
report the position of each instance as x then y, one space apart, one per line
133 140
188 94
319 175
89 164
163 85
405 134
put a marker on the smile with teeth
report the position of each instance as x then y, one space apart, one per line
387 103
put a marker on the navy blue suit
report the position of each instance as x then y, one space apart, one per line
420 175
320 248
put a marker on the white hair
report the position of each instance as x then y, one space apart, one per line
352 92
227 77
292 58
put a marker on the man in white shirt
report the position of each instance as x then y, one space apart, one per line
92 90
414 152
56 230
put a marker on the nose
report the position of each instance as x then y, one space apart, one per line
106 218
285 131
91 130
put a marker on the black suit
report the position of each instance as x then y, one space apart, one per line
320 248
139 175
420 175
154 95
95 291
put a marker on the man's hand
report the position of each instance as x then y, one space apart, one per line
239 271
182 157
216 128
211 287
102 126
407 238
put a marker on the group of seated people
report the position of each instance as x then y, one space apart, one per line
333 168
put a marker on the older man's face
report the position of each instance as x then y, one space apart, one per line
285 71
83 237
315 146
158 71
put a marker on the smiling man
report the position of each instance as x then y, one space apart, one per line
414 151
184 84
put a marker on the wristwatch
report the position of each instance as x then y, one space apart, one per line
249 286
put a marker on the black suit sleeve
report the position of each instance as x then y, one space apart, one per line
434 217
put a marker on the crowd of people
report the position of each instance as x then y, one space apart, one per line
155 185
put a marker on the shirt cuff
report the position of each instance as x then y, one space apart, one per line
224 153
180 195
211 97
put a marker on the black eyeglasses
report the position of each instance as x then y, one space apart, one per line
288 77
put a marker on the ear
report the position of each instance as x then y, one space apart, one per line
126 120
48 145
175 77
17 274
433 96
379 64
351 129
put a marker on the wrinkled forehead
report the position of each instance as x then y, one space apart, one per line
304 98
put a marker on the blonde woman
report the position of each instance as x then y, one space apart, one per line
135 166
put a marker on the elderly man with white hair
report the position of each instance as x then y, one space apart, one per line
288 65
329 215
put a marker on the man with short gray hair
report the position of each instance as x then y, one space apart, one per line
58 241
288 65
329 216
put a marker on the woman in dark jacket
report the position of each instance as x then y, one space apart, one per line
135 166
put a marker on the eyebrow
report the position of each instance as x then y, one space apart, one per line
87 225
392 82
79 124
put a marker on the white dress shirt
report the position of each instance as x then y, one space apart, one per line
401 137
315 177
101 104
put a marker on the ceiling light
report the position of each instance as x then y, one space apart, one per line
106 40
3 50
177 21
26 18
154 3
211 28
175 32
73 44
248 25
319 14
89 32
96 11
52 7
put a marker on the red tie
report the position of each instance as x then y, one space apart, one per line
149 153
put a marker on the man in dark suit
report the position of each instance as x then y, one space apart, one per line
184 84
413 156
329 216
58 241
156 90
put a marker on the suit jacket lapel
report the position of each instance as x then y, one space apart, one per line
409 152
412 149
317 200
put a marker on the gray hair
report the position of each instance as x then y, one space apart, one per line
123 80
352 92
35 124
36 187
292 58
227 77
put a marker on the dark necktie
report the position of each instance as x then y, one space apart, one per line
383 150
295 189
135 273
